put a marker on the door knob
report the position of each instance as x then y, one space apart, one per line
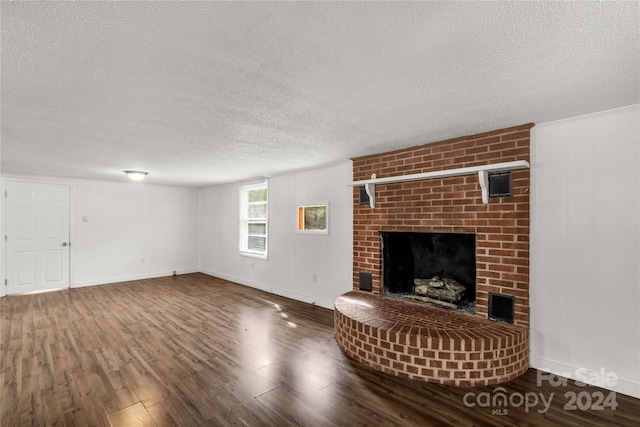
64 244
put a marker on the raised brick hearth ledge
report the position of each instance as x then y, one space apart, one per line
421 342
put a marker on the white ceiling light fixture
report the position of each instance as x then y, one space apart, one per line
136 175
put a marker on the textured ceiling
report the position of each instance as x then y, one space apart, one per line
200 93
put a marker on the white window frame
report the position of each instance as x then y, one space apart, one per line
245 220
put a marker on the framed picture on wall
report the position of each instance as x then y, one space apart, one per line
313 219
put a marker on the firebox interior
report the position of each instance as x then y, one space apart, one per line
408 256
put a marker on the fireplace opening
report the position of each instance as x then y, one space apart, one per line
432 268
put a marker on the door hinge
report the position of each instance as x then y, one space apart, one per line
6 238
6 282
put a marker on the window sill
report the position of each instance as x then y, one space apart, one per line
316 232
254 255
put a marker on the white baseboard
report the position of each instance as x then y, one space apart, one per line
242 281
128 278
238 280
304 298
576 373
320 302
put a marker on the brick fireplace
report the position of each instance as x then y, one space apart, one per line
443 205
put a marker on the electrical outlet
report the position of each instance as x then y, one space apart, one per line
315 278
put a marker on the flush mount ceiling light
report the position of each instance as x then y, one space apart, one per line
136 175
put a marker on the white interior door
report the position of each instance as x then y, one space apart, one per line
37 236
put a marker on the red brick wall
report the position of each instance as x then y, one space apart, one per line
452 205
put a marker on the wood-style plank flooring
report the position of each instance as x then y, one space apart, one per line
195 350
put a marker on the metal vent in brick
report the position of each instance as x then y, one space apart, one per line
365 282
363 196
500 184
501 307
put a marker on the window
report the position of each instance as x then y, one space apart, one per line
313 219
254 219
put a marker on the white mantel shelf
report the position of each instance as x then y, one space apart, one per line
482 171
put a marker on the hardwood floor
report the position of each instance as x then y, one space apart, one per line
196 350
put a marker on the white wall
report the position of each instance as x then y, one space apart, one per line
294 258
585 223
3 288
134 231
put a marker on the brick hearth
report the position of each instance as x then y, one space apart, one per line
426 343
446 205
